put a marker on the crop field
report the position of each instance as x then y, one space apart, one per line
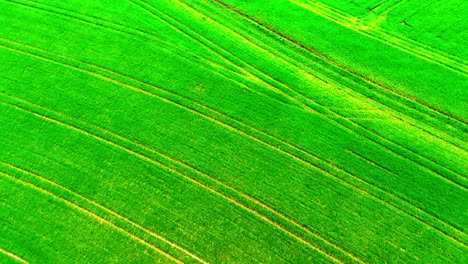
233 131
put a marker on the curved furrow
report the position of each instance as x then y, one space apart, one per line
177 101
166 46
228 188
314 72
188 178
89 213
149 37
304 100
257 75
408 102
309 159
452 178
262 93
455 178
107 210
389 145
331 14
13 256
214 131
328 82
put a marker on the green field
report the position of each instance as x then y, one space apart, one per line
233 131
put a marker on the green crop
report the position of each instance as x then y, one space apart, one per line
233 131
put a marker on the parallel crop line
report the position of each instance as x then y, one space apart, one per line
230 66
230 127
89 213
381 36
451 179
392 147
15 257
301 95
186 177
313 72
102 207
360 190
426 47
373 133
432 133
193 169
253 210
430 111
411 42
111 25
322 78
236 80
369 161
215 49
386 8
150 37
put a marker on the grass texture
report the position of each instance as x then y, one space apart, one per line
233 131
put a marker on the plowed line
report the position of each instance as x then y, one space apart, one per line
329 61
190 179
91 214
289 60
369 161
400 44
13 256
293 98
223 125
215 49
373 133
298 94
149 37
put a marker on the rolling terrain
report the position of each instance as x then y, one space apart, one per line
230 131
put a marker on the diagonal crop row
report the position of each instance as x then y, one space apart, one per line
409 47
312 236
323 75
262 45
284 89
263 138
13 256
271 80
385 93
242 66
225 71
88 207
182 170
418 158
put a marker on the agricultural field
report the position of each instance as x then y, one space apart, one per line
233 131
